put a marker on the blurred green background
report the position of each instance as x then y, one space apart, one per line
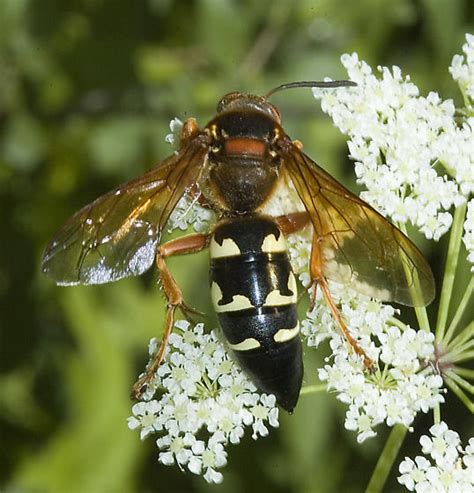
87 90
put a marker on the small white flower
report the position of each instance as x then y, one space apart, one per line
414 473
360 422
144 416
283 201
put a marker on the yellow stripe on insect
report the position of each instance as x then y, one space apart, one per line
239 302
245 345
275 298
272 245
229 248
284 335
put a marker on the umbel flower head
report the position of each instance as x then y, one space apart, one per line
398 140
401 383
416 160
200 392
445 466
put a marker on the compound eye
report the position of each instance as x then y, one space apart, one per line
226 100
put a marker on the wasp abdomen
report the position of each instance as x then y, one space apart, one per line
254 294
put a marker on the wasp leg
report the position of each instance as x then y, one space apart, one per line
198 197
292 223
189 131
181 246
317 278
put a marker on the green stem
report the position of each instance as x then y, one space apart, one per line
460 393
397 323
460 350
461 382
467 101
415 292
465 372
462 357
450 270
313 389
437 414
386 459
463 336
459 312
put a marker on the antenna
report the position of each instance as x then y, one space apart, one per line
323 84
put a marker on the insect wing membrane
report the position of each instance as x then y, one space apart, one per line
116 235
358 246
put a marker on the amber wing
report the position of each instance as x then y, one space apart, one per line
116 236
358 246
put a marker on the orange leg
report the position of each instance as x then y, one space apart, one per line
189 131
317 277
181 246
292 223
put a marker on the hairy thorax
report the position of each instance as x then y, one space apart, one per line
242 168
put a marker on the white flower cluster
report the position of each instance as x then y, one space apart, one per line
468 237
397 139
199 402
462 69
449 468
188 213
402 383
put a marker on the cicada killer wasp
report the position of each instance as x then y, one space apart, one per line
234 164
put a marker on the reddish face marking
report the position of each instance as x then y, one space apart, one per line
245 146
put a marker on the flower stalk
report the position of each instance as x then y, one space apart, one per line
450 271
459 313
416 295
387 458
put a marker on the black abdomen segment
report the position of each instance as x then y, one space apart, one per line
254 293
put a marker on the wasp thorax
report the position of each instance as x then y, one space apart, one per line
242 168
243 185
